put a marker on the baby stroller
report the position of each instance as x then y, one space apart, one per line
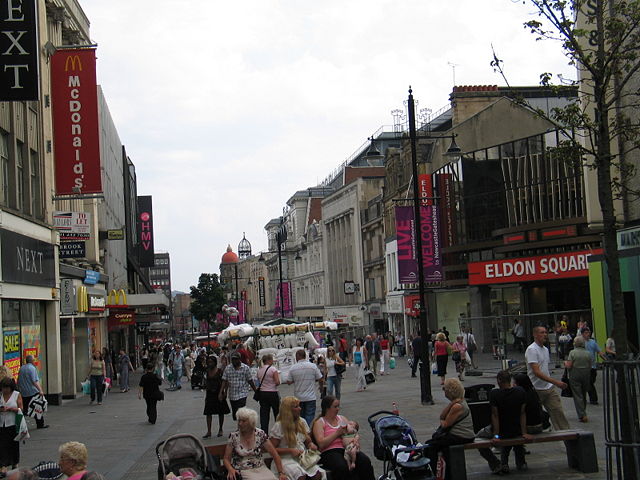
184 451
396 445
197 378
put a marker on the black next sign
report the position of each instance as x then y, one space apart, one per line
27 260
18 50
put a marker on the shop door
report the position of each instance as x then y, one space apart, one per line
67 348
81 334
632 320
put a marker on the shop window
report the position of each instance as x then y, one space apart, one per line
36 185
24 331
19 177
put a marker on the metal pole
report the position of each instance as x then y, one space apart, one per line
425 369
280 271
237 294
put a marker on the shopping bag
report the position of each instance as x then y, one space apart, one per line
567 391
369 377
392 363
22 432
37 406
86 387
434 368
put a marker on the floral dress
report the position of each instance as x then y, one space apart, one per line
243 458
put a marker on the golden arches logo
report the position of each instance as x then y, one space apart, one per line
83 301
74 60
114 297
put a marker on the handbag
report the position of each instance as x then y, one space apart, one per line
340 368
369 377
158 396
442 432
456 356
309 458
256 394
567 391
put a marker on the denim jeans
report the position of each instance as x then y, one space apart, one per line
96 386
333 386
177 374
308 411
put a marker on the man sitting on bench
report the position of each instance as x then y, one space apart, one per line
508 420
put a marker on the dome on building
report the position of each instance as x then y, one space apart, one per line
229 257
244 247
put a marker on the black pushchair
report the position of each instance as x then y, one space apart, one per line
184 451
396 445
197 378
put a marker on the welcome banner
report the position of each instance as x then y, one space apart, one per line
74 101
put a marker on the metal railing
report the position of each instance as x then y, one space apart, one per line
621 386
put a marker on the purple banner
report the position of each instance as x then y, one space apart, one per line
431 258
407 249
407 258
286 296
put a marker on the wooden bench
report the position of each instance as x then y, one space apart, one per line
580 445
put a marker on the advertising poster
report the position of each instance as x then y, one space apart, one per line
31 343
11 350
407 258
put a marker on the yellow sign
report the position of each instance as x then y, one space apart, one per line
115 234
75 62
83 301
115 297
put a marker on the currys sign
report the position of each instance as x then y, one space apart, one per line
529 269
145 231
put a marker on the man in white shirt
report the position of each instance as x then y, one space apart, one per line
304 376
537 356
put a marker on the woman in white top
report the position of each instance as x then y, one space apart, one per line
290 437
333 379
359 359
10 403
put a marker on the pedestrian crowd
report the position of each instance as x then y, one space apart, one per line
301 439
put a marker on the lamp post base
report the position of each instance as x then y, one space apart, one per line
425 385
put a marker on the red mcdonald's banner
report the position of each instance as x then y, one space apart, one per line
74 99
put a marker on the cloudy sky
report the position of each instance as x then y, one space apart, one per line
228 108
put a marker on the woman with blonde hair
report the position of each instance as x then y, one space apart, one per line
269 379
334 379
290 437
73 460
441 351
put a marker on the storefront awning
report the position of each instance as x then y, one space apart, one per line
148 300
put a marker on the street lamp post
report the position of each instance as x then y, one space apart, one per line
425 374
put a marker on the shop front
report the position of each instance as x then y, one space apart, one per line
29 302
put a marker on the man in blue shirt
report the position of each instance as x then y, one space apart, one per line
592 347
29 386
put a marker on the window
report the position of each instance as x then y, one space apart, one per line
36 186
19 177
4 168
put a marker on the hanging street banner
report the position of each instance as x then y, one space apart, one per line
19 75
74 101
407 257
286 298
261 293
430 230
72 225
145 231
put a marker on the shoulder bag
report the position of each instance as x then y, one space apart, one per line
256 394
309 458
442 432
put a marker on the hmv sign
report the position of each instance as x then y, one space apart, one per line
145 231
18 50
27 260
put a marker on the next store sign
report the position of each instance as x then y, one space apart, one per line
529 269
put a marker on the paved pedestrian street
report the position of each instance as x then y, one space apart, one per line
122 443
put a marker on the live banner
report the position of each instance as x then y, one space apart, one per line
74 101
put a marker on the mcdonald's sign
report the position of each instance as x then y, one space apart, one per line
83 300
74 102
115 297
